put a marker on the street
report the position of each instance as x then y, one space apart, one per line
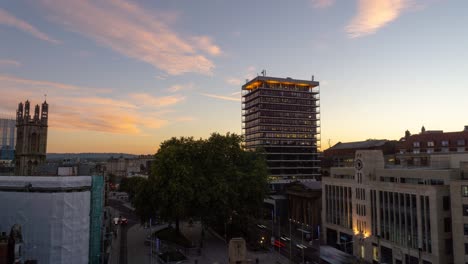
130 246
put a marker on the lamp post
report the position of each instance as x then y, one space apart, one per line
290 242
302 242
419 255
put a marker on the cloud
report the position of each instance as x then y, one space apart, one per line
250 74
12 21
144 99
322 3
79 108
372 15
46 85
222 97
135 32
9 63
179 87
206 44
234 81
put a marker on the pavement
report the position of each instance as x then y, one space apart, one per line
128 246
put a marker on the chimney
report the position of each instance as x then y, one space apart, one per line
466 128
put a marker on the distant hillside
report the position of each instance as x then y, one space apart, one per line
87 156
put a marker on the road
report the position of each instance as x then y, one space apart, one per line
311 253
124 212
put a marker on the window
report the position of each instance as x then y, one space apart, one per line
464 190
430 150
465 229
416 144
466 248
447 225
461 149
449 246
415 151
465 209
445 143
461 142
430 143
446 203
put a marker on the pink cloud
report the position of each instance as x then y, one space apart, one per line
144 99
12 21
222 97
373 15
10 63
135 32
234 81
206 44
79 108
322 3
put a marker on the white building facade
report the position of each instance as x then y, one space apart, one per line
397 215
54 215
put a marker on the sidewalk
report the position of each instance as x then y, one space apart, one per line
215 249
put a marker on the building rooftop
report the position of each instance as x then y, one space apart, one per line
45 182
255 82
370 143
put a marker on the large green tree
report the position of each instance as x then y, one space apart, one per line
131 185
210 179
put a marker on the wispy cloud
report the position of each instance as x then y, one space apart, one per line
250 73
373 15
234 81
322 3
206 44
135 32
9 63
222 97
180 87
78 108
144 99
47 84
10 20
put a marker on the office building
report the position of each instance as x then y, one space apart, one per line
7 139
31 138
281 117
396 214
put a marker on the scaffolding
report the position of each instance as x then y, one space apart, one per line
95 236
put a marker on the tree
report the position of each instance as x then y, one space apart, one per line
131 185
208 179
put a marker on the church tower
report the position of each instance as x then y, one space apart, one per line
31 138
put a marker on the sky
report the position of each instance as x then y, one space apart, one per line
123 76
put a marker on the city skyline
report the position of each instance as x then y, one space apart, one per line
128 75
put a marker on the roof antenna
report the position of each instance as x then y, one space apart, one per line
45 97
312 78
264 72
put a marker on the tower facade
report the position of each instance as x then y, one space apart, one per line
31 138
7 138
281 116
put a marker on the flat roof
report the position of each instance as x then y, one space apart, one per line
286 80
45 181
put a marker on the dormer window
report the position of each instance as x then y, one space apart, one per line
445 143
416 144
461 142
430 143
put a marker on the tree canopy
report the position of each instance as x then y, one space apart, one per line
210 179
